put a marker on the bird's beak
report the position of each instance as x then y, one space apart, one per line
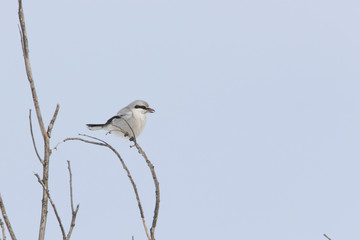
150 110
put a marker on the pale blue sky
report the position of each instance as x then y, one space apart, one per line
256 130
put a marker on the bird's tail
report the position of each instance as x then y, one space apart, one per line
95 126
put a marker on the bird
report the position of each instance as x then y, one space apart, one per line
129 122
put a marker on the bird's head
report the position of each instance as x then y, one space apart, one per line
141 104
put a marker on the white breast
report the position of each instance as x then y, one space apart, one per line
139 120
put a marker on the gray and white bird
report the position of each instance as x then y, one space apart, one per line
128 122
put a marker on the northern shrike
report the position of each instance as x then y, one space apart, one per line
128 122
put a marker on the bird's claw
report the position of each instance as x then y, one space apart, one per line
132 139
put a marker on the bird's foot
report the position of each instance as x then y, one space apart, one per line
132 139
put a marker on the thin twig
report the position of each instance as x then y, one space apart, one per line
100 140
79 139
33 140
327 236
105 144
51 124
52 204
71 192
2 229
74 213
6 219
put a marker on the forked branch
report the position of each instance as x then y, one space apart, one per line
52 204
47 151
74 212
45 160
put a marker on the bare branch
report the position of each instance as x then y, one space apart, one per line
74 213
105 144
52 204
2 229
51 124
327 236
156 182
47 150
33 140
6 219
157 189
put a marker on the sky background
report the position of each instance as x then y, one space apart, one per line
255 135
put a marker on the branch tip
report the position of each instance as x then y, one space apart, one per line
51 124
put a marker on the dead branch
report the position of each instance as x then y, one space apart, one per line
52 204
2 229
25 49
45 134
105 144
74 213
6 219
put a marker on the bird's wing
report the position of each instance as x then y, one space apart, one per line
111 119
125 113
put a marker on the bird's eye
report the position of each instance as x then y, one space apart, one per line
138 106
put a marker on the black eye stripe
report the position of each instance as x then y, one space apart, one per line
138 106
